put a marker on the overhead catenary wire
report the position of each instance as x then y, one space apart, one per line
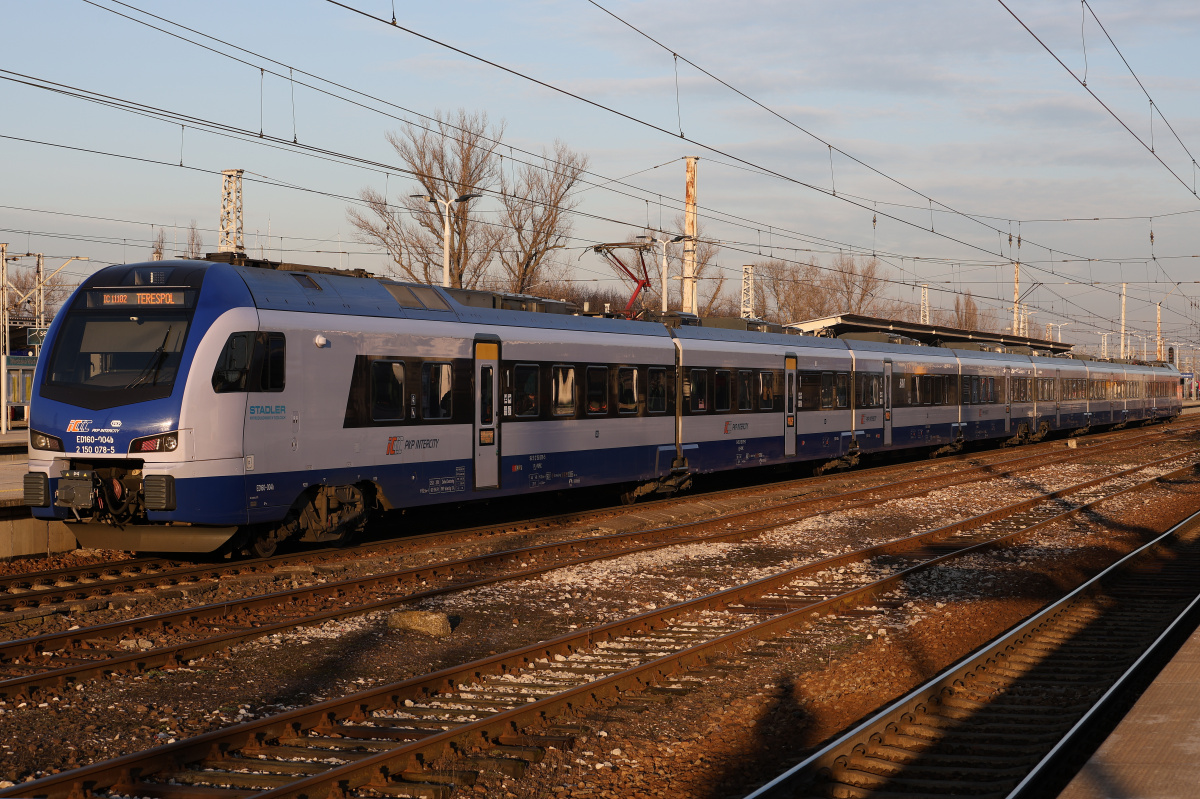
652 126
720 214
940 211
1148 147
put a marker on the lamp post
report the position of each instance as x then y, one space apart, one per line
664 243
445 204
1060 326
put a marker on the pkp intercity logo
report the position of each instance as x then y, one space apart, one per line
79 426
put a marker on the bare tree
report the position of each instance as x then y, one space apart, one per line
857 286
160 245
453 157
537 205
790 292
195 243
966 312
22 280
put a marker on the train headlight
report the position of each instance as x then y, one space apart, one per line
42 441
167 442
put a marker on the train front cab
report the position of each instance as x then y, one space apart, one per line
119 451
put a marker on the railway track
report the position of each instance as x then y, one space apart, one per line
1000 723
22 592
425 735
51 661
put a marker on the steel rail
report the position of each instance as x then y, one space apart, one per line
33 589
72 643
127 774
918 701
183 577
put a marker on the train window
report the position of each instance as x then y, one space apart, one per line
433 301
525 389
927 389
722 390
827 396
436 400
868 390
974 389
745 391
387 391
403 296
843 390
233 365
766 396
597 389
791 397
698 390
627 390
656 390
486 395
270 350
563 391
810 391
936 395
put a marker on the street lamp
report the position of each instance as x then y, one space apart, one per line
664 242
446 230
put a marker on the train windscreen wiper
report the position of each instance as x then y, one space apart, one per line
156 361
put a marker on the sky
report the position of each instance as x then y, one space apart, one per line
949 104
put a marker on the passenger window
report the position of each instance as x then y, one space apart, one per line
525 390
233 364
436 400
656 394
486 399
745 391
810 391
766 398
827 389
597 389
843 390
271 354
563 391
627 390
698 388
722 390
387 391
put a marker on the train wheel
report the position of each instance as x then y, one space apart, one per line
262 544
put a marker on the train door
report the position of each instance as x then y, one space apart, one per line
887 402
1057 401
1008 397
789 430
487 414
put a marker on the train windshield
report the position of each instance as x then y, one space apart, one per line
103 359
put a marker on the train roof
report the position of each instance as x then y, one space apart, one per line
312 289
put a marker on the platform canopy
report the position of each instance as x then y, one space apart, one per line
929 335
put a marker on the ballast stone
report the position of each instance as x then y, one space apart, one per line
426 622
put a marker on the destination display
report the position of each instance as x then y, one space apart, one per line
121 298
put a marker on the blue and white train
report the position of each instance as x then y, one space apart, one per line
188 406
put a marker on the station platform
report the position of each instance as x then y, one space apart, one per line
1154 752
